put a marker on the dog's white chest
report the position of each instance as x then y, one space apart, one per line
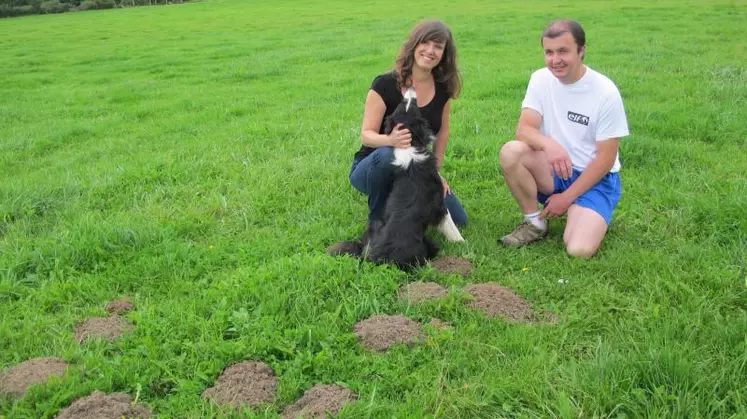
404 156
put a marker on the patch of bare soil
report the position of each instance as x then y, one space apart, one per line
453 265
16 381
497 301
104 406
381 332
109 328
250 383
121 306
319 401
421 291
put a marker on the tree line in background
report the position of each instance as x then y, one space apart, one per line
9 8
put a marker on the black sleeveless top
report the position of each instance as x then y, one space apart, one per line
386 86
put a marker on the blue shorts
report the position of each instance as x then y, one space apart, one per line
602 198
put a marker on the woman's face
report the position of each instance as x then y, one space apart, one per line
428 54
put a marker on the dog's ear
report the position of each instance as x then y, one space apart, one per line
421 132
388 125
399 115
419 138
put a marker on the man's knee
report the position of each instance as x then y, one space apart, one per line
580 249
511 154
584 232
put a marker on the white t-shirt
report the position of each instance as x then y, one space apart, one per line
578 115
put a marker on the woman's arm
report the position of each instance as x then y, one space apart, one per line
442 138
372 117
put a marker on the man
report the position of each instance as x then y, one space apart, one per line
565 155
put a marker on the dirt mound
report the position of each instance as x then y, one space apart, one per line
497 301
319 400
104 406
453 265
109 328
381 332
439 324
17 380
345 248
121 306
250 383
420 291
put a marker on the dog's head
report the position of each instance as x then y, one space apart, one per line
408 114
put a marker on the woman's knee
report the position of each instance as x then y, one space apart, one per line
381 170
462 220
456 210
382 156
373 169
511 153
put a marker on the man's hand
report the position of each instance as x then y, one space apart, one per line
558 159
528 131
446 186
556 206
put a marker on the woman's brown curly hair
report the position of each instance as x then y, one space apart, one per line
446 71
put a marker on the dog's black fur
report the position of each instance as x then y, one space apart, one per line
415 203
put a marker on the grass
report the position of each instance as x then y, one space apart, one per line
195 157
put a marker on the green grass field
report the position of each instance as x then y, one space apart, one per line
195 157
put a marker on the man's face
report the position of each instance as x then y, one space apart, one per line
563 58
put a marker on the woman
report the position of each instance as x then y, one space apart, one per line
427 63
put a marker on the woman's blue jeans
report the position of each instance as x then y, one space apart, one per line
372 176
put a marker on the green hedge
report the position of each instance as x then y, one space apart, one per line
10 8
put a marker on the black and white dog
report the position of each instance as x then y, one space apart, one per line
416 201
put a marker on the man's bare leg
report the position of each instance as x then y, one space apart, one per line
584 231
526 172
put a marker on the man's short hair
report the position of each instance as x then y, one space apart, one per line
561 26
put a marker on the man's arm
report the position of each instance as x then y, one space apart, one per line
597 169
558 204
612 125
373 114
528 131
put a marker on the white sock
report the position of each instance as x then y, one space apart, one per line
535 220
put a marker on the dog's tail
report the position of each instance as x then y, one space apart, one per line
449 229
351 248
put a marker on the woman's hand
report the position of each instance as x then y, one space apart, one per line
447 190
400 138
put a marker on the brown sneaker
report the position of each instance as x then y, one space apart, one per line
525 233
